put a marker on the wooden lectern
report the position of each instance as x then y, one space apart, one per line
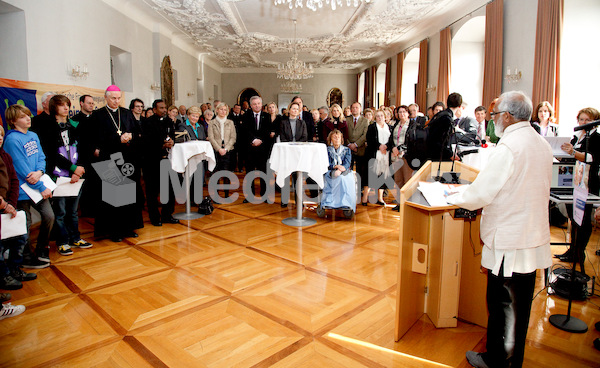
439 259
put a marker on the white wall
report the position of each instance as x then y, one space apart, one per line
13 63
410 76
580 62
268 86
467 72
519 42
91 28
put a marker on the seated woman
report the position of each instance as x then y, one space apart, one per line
340 184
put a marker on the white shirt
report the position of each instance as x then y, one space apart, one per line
482 192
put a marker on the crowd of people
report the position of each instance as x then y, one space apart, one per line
387 142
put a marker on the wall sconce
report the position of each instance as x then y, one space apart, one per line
155 86
79 72
512 77
191 93
430 88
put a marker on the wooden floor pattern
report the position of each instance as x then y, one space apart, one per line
240 289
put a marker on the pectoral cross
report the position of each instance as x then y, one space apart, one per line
119 132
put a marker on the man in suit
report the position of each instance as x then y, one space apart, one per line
413 114
440 128
357 138
158 134
257 127
235 115
480 114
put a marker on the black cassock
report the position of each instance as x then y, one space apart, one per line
119 221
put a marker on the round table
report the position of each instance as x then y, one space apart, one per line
299 157
185 157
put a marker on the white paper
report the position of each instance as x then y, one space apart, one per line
64 187
12 227
34 194
555 143
435 193
580 195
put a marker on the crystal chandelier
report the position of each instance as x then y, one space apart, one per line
294 69
318 4
290 87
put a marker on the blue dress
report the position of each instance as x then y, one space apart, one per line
339 192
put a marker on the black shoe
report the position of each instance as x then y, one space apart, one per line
171 220
245 201
43 255
9 283
380 203
19 274
156 223
116 238
566 254
35 263
597 344
284 205
397 208
4 297
365 203
131 234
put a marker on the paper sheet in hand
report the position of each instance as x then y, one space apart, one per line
435 193
12 227
64 188
555 143
34 194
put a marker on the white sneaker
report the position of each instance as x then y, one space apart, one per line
9 310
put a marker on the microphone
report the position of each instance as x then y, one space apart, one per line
587 126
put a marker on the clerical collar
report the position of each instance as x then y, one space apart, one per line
113 110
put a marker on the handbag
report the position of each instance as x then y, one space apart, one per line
206 207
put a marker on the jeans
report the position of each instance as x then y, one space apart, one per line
14 248
66 219
45 210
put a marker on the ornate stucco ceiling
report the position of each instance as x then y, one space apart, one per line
257 33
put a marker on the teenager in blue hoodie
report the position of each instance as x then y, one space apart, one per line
30 164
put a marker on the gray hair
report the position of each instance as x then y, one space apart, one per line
254 98
324 108
208 111
517 104
48 95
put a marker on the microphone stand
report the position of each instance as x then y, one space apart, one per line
448 177
564 321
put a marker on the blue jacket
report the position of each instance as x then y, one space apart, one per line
345 154
28 156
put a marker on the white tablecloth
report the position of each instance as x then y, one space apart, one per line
289 157
191 153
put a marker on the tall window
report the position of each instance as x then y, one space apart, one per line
380 85
579 62
361 88
410 76
467 62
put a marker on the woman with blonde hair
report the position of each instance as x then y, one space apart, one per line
543 119
378 136
336 120
222 137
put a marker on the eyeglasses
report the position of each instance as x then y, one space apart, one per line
497 112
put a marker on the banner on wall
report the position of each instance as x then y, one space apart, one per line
30 94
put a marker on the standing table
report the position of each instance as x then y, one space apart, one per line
299 157
185 157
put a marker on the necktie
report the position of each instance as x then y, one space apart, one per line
355 120
456 121
256 118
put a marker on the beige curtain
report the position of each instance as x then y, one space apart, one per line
421 95
388 82
546 71
357 85
399 67
443 85
366 94
492 67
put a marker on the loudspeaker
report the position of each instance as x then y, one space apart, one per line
562 285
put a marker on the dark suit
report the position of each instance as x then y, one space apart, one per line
306 116
438 143
286 135
239 149
154 132
257 156
371 150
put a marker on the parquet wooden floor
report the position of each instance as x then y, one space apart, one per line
240 289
